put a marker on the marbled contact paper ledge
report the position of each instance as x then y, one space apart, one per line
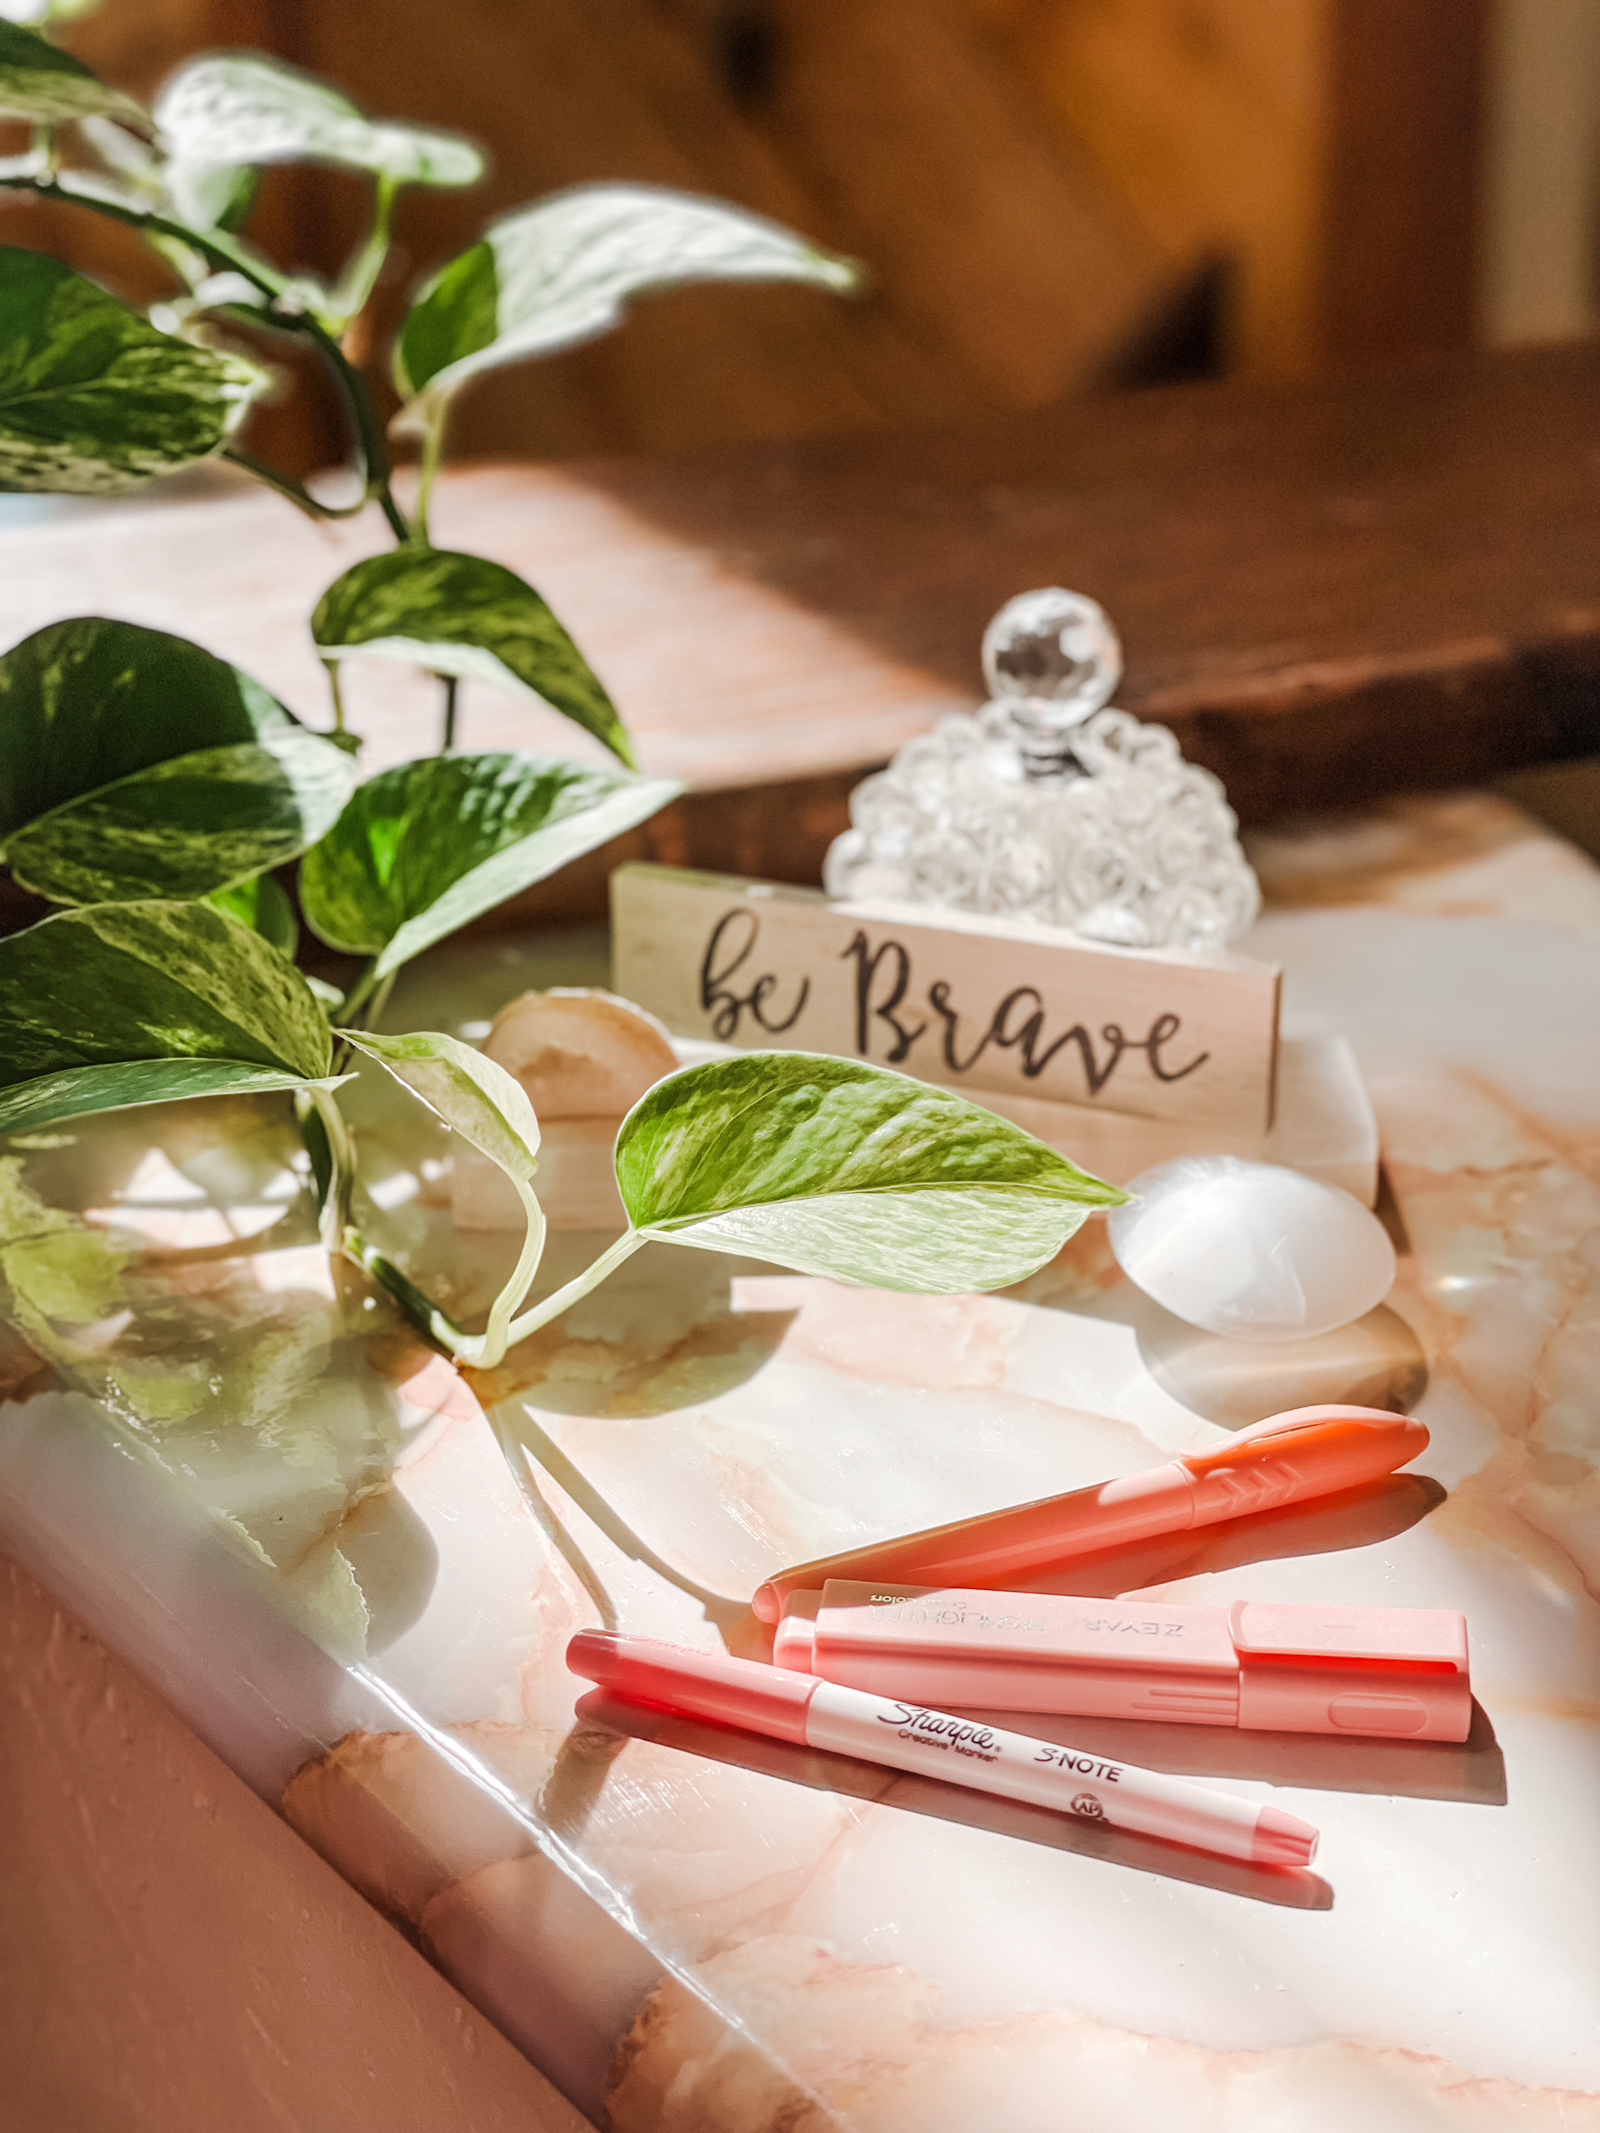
695 1932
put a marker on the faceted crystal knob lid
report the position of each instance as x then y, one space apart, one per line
1053 659
1049 805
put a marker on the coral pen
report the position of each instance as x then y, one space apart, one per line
1308 1451
880 1729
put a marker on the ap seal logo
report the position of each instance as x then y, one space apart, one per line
1087 1804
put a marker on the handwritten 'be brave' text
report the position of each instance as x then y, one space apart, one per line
889 1012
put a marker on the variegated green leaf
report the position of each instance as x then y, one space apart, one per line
187 826
563 272
480 1101
232 109
76 1092
111 983
41 82
215 196
847 1170
123 153
475 1097
461 614
267 909
35 12
87 702
93 399
425 847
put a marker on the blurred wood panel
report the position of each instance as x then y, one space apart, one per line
1206 117
1541 269
1004 272
1035 184
892 132
1327 591
1332 148
1403 177
929 156
568 93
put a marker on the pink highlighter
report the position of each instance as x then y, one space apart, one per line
1397 1672
1309 1451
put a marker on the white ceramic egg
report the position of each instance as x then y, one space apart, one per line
1251 1251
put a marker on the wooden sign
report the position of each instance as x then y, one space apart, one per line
979 1004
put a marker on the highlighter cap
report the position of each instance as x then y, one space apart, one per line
1395 1671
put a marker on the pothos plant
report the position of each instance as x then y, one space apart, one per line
150 790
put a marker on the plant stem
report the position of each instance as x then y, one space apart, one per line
370 998
359 411
495 1333
363 419
286 485
452 683
360 277
353 1010
357 996
432 454
295 322
285 313
331 668
216 247
423 1312
563 1299
481 1351
336 1234
379 1001
315 1136
334 1214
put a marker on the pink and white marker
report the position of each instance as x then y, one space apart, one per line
907 1736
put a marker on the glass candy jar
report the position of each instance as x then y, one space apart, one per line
1047 805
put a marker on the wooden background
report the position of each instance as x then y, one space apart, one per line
1053 195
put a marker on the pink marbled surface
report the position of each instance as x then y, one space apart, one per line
733 1936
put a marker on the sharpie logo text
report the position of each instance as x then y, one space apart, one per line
937 1729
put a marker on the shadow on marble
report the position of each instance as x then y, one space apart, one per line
662 1333
604 1718
522 1440
713 1355
396 1564
1378 1361
1389 1212
1375 1362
